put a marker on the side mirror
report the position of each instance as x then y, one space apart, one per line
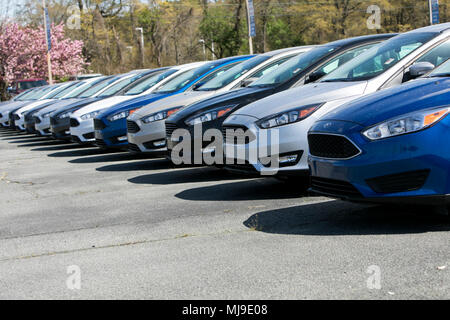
315 76
247 82
420 68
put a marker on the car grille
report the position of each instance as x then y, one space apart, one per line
99 124
74 122
132 127
89 135
37 120
75 139
170 128
53 121
331 146
133 147
403 182
16 117
241 135
1 116
334 188
100 143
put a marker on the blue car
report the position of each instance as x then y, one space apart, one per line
389 147
110 125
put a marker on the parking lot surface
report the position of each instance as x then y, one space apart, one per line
136 227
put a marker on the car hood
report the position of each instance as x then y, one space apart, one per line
242 96
389 103
179 100
14 105
74 105
55 104
102 104
34 105
302 96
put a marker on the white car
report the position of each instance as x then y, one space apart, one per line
82 120
42 117
287 116
142 134
41 96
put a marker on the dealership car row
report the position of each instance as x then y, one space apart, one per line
361 119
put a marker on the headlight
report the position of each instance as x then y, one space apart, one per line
409 123
160 115
64 115
120 115
210 115
288 117
89 115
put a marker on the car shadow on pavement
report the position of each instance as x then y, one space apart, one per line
30 139
184 175
150 164
250 189
48 142
81 151
336 218
110 155
19 137
68 146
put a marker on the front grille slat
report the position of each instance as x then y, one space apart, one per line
403 182
334 188
170 128
37 120
133 147
241 135
331 146
132 127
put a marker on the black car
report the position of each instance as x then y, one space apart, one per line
297 71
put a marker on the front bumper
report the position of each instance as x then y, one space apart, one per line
42 125
279 151
110 134
60 128
413 168
150 138
82 131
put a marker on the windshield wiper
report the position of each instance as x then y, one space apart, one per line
440 75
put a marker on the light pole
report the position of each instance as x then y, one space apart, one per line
48 37
202 41
141 30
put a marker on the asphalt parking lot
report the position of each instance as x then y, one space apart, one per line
135 227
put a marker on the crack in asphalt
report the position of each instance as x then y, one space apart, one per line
124 244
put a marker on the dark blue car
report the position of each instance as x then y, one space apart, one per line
110 125
391 146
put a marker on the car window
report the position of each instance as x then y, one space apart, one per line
220 72
148 83
437 55
378 59
98 87
68 90
344 58
270 67
443 70
232 74
293 67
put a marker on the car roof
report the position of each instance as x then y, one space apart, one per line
442 27
285 50
360 39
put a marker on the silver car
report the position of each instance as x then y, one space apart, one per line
278 125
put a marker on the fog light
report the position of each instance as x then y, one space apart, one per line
67 132
121 139
159 143
292 158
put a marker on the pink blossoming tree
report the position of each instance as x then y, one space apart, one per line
23 53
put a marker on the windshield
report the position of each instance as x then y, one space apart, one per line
148 83
293 66
116 87
43 92
68 90
185 78
98 87
58 90
81 89
442 71
232 74
26 95
377 60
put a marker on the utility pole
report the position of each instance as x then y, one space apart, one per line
434 11
49 41
141 30
251 24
